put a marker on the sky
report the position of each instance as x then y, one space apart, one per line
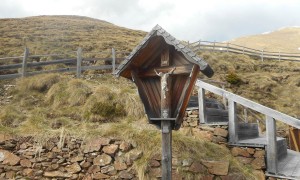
190 20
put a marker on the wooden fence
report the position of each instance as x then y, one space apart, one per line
75 64
233 48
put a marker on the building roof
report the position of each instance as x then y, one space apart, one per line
170 40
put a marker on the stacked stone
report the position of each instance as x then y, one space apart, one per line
101 158
191 118
254 157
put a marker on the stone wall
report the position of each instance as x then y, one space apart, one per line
100 158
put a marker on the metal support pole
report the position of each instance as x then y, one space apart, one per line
233 123
202 109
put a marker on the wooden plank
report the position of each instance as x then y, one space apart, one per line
233 123
52 71
178 70
272 159
79 60
252 105
166 127
24 63
9 76
9 58
10 66
102 67
202 109
113 52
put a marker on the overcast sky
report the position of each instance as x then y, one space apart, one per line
185 19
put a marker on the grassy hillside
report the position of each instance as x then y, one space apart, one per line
284 40
61 34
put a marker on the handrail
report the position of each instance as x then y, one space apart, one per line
250 104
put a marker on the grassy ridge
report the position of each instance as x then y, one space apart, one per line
61 34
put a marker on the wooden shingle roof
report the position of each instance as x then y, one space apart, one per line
158 31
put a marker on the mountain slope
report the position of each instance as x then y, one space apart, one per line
283 40
57 34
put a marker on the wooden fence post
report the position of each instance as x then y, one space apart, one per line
24 63
113 52
202 109
272 159
262 55
279 56
233 123
214 46
227 47
245 115
79 60
243 50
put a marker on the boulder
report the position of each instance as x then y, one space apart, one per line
120 165
217 167
125 146
154 163
95 144
245 160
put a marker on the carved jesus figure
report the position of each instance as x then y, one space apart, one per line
164 81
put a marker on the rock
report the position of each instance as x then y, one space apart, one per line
94 169
233 176
218 139
193 123
245 160
120 166
236 151
155 172
176 175
95 144
259 153
85 164
87 177
250 150
111 149
124 146
197 167
125 175
102 160
77 158
258 163
217 167
154 163
10 175
54 166
57 174
175 161
134 154
5 137
27 172
220 132
193 116
73 168
207 128
187 162
23 146
25 163
195 112
74 176
8 158
259 174
198 134
100 176
107 169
